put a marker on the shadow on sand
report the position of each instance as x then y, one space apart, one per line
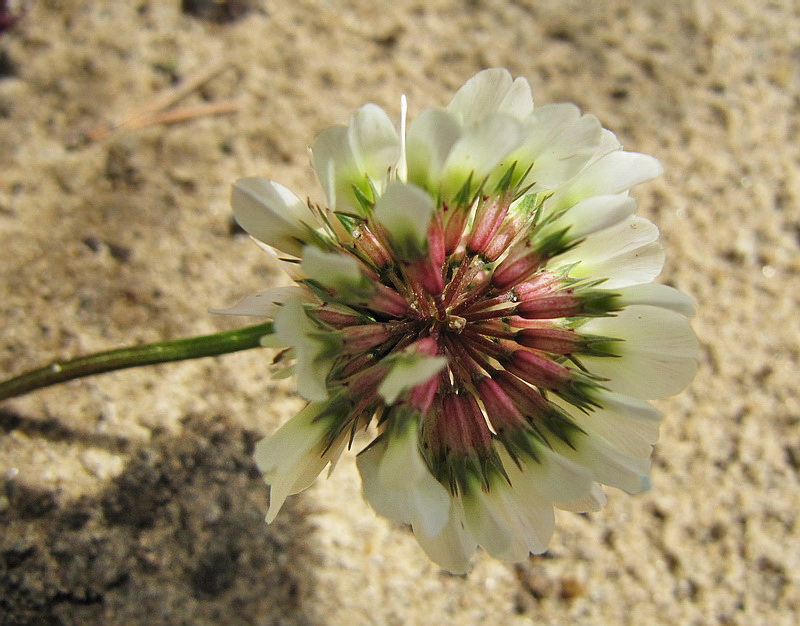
177 538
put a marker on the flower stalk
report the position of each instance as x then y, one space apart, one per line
135 356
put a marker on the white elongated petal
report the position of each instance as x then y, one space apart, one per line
629 424
595 501
351 156
312 350
480 149
515 518
616 172
333 269
535 486
608 465
271 213
294 455
518 100
559 142
510 521
548 120
431 503
625 254
592 215
266 303
288 265
608 144
385 502
535 518
654 294
336 168
405 212
580 139
407 371
491 91
401 169
657 357
453 546
311 372
494 525
398 484
647 330
430 139
551 476
292 324
272 341
374 141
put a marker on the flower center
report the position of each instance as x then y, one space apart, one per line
477 292
455 323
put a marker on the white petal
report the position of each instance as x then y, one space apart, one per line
595 501
495 527
408 370
627 253
431 137
385 502
608 144
399 485
312 349
630 425
559 142
405 212
271 213
614 173
618 171
491 91
548 122
515 519
302 475
551 476
374 141
536 520
432 503
332 269
647 330
518 100
401 169
453 546
592 215
531 495
662 296
292 323
294 455
336 167
289 265
287 368
608 465
312 374
481 149
266 303
657 355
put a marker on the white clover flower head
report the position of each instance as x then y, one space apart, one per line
479 287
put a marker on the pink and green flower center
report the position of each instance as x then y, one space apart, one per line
477 292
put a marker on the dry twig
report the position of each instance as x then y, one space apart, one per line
154 111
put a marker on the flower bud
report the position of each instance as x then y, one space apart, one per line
536 369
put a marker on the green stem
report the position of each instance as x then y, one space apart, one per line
122 358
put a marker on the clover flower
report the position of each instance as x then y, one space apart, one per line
479 289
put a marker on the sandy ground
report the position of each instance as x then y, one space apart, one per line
131 498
